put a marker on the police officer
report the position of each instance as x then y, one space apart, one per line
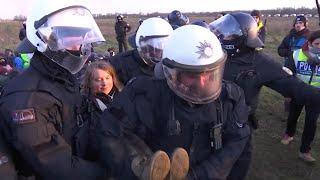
150 39
252 69
190 108
22 32
177 19
306 62
256 14
122 28
41 108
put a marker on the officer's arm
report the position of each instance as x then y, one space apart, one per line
33 128
292 87
235 135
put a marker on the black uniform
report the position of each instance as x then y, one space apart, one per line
121 28
254 69
214 134
41 119
7 170
129 65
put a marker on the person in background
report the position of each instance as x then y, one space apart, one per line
9 56
219 15
177 19
294 40
22 32
122 28
111 52
256 14
307 61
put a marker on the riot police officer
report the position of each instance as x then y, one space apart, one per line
177 19
252 69
41 108
190 108
122 28
150 39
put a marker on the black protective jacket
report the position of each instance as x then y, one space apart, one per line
41 120
165 121
129 64
255 69
7 169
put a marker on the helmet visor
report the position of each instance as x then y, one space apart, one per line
226 28
198 87
69 35
70 28
151 48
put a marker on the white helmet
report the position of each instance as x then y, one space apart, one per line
63 31
193 63
150 39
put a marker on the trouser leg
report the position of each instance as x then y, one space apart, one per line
309 130
294 113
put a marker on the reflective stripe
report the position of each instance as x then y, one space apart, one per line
304 70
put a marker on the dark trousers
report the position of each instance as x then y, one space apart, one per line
123 45
310 124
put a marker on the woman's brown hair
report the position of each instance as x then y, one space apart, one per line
103 65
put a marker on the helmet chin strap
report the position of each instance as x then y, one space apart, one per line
66 59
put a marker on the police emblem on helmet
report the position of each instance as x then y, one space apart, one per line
205 50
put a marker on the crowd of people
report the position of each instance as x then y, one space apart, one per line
162 110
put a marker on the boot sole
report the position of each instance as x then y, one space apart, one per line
179 164
159 166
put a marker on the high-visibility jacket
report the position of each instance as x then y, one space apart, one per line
307 73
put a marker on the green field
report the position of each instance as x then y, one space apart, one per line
272 160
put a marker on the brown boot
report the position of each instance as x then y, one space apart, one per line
155 168
179 164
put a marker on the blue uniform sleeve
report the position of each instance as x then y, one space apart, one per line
235 135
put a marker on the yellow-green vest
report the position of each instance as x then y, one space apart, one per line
303 69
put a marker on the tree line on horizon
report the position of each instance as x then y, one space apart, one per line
302 10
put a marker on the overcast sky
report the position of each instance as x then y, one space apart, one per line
10 8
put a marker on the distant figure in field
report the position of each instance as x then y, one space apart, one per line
256 14
22 33
122 28
220 15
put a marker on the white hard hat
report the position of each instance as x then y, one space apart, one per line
193 63
151 37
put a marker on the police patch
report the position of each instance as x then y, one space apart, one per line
24 116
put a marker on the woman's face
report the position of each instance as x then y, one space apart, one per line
102 82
